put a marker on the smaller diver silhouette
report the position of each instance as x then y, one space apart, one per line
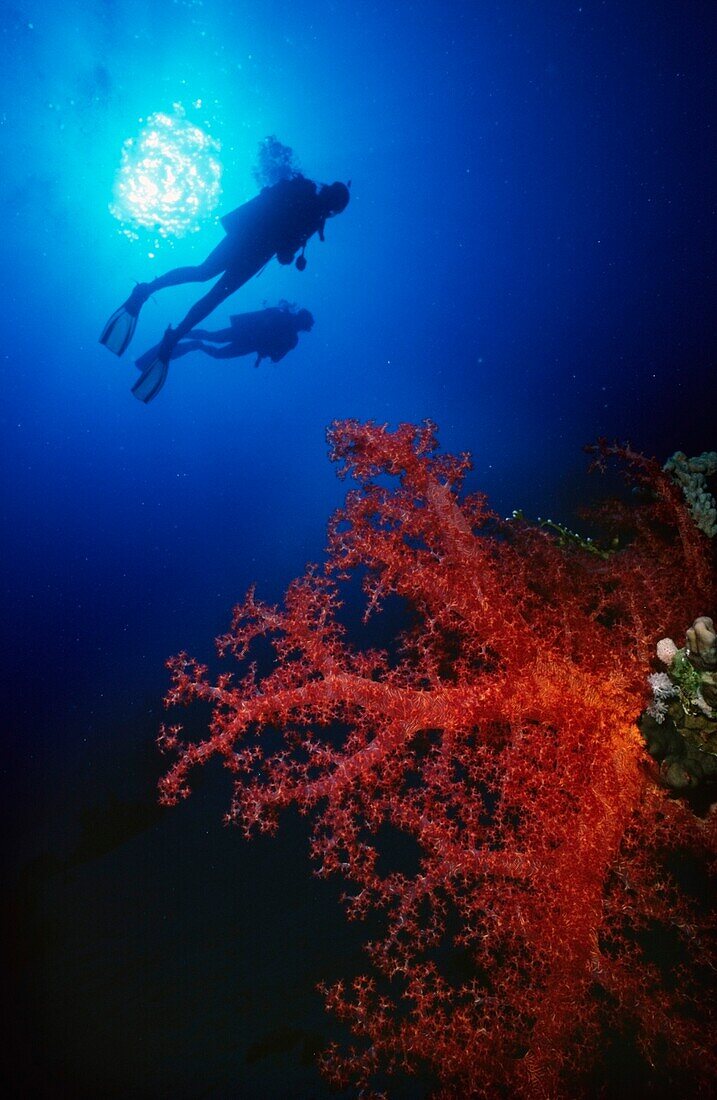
279 221
267 333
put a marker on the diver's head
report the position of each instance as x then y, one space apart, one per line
304 320
334 198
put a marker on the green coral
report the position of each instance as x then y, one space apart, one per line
687 678
566 537
680 727
687 753
691 475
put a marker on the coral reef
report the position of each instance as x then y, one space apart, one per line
691 475
680 725
498 742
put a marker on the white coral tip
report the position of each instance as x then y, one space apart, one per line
666 650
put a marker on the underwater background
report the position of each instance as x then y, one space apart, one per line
527 260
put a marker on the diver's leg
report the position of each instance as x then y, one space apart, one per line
222 336
119 330
229 351
185 347
217 261
201 309
227 285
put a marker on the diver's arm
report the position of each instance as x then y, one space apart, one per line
279 353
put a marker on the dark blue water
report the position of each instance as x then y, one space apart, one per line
527 259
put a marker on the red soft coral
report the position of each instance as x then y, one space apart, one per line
502 740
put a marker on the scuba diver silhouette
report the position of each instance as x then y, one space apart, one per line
279 221
267 333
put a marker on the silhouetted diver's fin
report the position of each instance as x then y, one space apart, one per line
151 381
119 330
154 365
180 349
149 356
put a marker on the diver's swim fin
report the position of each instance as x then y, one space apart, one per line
151 380
154 365
148 358
119 330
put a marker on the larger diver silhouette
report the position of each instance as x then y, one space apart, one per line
279 221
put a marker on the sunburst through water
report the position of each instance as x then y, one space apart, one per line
169 178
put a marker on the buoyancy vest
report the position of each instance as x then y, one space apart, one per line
282 217
271 332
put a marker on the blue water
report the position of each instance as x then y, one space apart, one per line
527 259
